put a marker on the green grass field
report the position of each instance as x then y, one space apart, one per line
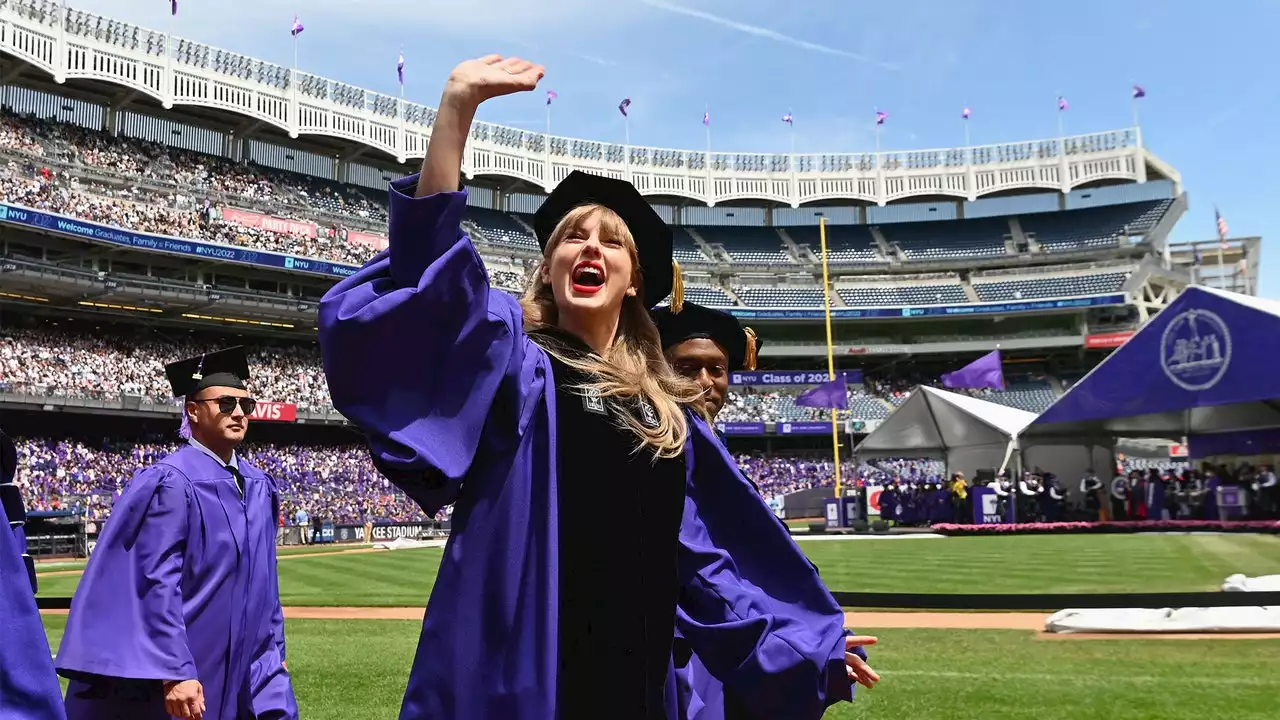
357 668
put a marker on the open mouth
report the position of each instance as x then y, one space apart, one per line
588 277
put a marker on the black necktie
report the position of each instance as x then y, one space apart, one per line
239 478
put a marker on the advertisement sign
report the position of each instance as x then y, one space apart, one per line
374 241
412 531
873 500
274 412
1003 308
803 428
170 245
986 505
1107 340
791 377
741 428
266 222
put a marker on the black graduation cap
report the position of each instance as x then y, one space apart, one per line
224 368
653 237
8 459
740 343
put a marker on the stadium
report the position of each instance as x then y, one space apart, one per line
162 198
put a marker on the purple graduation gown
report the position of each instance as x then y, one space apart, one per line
458 407
28 684
182 585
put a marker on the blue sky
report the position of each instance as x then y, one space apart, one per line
1208 68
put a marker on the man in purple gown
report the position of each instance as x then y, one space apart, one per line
28 685
178 613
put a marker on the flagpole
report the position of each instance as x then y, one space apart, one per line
1134 101
792 125
831 358
707 125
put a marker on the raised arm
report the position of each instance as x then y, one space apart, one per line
416 345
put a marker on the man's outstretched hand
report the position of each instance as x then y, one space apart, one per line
858 669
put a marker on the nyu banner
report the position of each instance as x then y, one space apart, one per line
791 377
171 245
741 428
803 428
986 505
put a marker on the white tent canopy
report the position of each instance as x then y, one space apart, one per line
968 433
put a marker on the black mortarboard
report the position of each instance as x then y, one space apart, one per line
224 368
653 237
740 343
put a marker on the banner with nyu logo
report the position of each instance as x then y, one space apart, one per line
791 377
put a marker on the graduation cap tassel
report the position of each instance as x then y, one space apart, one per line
677 288
749 359
184 430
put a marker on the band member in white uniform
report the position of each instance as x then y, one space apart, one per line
1029 489
1091 496
1003 488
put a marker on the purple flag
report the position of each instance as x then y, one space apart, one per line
881 117
965 113
400 67
1062 103
706 118
1139 92
985 372
296 30
787 119
552 95
622 106
173 6
833 395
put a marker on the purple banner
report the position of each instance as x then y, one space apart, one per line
803 428
791 377
1246 442
741 428
986 506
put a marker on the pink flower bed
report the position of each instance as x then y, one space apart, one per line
1129 526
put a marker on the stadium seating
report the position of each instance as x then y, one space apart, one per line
502 229
780 297
846 244
901 295
950 239
1052 287
1091 228
748 245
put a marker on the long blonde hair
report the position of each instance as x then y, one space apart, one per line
634 368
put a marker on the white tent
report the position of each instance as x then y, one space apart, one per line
968 433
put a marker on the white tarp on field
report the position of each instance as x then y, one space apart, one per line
1241 583
1166 620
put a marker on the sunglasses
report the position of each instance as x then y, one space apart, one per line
227 404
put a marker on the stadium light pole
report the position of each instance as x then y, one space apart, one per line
831 358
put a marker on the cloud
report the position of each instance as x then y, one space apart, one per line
597 60
764 32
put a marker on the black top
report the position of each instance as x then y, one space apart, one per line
619 534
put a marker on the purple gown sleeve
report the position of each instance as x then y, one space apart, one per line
126 618
416 347
752 606
28 684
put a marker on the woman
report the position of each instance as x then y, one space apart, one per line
581 478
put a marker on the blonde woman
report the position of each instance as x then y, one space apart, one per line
580 474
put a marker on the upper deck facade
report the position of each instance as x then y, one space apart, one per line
69 44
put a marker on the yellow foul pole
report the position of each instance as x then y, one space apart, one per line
831 358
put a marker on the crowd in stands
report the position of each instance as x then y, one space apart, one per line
162 189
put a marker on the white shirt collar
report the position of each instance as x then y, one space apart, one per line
235 459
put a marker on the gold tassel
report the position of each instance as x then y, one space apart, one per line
677 288
749 360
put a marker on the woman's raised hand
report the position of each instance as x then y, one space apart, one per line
493 76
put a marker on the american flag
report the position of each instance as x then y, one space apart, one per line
622 106
706 118
1222 228
787 119
966 113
